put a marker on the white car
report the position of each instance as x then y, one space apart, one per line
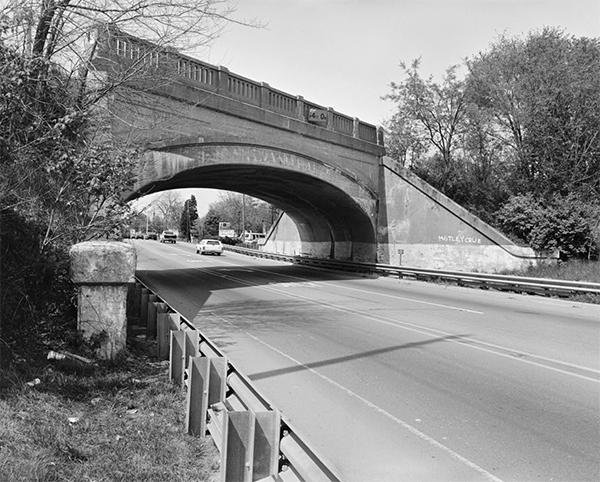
209 246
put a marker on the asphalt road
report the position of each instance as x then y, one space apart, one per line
394 380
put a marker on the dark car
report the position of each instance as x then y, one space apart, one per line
168 237
151 235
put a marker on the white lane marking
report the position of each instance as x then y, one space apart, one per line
405 325
375 293
412 300
383 412
478 345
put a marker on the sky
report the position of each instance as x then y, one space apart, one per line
344 53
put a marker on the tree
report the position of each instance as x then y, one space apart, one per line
244 212
168 205
58 28
210 224
56 166
62 174
429 117
564 223
523 123
544 94
188 219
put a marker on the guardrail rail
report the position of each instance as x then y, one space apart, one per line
538 286
256 442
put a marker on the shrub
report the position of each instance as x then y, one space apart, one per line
566 223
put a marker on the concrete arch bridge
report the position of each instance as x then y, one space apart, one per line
206 127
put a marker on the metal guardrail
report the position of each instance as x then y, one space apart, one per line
539 286
295 460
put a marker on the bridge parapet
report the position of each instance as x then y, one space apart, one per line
132 52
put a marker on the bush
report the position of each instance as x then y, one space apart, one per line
37 298
566 223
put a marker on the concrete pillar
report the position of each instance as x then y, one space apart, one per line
103 270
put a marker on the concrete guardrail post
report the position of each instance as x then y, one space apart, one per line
103 271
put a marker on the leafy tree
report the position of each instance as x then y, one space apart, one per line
525 124
188 219
429 116
210 224
244 212
544 94
564 223
62 174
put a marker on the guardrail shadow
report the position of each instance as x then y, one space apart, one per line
202 281
347 358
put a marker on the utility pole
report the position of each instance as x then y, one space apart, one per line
189 234
243 218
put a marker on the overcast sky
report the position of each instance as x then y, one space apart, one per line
344 53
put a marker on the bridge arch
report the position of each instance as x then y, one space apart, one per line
335 213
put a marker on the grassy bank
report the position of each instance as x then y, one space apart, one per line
116 421
572 270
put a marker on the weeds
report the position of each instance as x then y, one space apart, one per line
572 270
114 421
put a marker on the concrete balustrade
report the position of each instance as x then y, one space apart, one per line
121 49
103 271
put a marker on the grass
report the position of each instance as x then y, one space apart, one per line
572 270
112 421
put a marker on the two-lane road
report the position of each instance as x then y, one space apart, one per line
395 380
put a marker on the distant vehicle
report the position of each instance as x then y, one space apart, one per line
139 235
253 240
209 246
168 237
151 235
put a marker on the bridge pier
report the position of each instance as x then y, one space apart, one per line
102 270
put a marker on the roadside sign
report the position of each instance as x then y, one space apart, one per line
226 233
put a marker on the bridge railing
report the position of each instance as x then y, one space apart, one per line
539 286
256 442
133 51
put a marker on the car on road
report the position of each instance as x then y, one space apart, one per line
168 237
209 246
151 235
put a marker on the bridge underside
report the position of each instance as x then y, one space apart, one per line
331 221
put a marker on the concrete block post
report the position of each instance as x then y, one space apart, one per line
103 271
300 108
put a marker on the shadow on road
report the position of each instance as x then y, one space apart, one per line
356 356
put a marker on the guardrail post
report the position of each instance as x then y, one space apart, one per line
266 444
192 344
151 316
164 326
177 357
218 380
144 306
197 395
154 308
238 446
133 303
